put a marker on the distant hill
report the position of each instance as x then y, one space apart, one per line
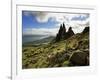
40 41
44 40
31 38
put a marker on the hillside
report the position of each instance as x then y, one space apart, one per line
40 41
63 51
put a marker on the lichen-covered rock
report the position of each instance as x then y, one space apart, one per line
79 58
57 58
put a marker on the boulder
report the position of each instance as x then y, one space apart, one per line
79 58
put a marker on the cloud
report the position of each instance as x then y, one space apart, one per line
80 17
40 16
26 13
43 17
53 31
40 31
59 17
79 27
77 21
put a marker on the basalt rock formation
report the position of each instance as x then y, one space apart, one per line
62 34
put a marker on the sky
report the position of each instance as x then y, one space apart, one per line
48 23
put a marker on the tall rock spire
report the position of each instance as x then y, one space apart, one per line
62 34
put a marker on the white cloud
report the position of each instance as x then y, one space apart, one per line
53 31
77 21
41 16
44 16
40 31
59 17
80 17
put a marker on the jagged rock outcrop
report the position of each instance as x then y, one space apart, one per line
86 30
62 34
69 33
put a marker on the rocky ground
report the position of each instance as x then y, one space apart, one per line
67 49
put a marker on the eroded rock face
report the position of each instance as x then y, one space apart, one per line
86 30
62 34
80 58
69 33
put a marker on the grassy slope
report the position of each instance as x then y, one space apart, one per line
54 54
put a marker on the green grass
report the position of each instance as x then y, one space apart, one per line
53 54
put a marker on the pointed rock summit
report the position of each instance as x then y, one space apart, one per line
86 30
69 33
62 34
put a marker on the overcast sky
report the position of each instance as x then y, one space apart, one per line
48 23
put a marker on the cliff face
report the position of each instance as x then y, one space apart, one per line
62 34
